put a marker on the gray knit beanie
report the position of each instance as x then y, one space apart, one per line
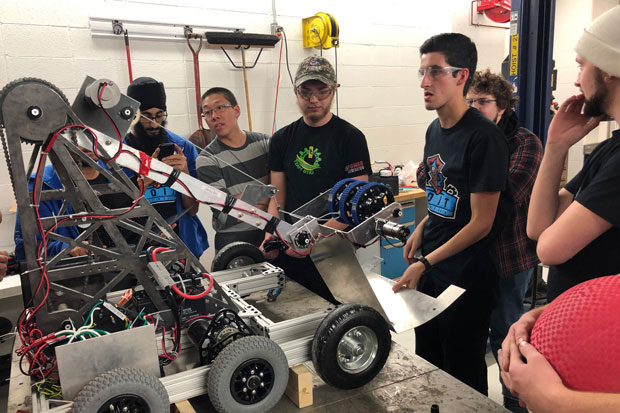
600 43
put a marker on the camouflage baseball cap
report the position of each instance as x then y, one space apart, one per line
315 68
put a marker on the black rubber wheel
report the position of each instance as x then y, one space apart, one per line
123 390
350 346
235 255
249 375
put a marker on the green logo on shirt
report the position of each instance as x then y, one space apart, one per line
308 160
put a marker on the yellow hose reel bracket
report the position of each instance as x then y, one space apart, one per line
320 31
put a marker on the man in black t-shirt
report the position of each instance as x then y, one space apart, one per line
577 227
310 155
465 164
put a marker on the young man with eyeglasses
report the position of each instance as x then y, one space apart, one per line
308 156
513 253
466 164
146 135
234 159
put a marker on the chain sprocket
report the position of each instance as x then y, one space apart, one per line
6 92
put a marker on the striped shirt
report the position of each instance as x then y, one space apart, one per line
227 169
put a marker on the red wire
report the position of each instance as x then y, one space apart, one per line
195 297
156 250
273 127
198 317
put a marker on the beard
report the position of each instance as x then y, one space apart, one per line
595 105
145 142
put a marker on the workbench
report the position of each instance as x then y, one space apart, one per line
407 382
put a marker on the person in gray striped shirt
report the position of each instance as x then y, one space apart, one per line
234 159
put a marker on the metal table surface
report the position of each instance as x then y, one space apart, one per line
407 382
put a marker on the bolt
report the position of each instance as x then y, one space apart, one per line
253 392
34 112
252 372
257 223
245 389
358 333
358 350
239 215
243 380
108 142
261 374
262 384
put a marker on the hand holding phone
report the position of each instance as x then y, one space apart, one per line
165 150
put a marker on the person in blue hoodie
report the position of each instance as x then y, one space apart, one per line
147 135
53 207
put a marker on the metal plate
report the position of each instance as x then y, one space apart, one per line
81 361
335 259
408 309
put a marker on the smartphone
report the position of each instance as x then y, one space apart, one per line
165 149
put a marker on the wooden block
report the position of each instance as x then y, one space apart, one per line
299 387
183 407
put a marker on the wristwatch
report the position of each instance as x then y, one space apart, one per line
427 265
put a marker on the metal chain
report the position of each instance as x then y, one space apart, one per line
7 158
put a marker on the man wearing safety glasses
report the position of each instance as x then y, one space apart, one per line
310 155
465 166
150 136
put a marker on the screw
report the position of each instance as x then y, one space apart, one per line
262 384
108 142
261 374
245 389
243 380
34 112
253 391
252 372
358 333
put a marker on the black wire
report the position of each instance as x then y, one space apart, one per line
393 244
287 64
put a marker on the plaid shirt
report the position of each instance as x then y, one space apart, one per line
513 251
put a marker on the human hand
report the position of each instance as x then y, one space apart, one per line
518 332
273 254
291 253
4 263
569 125
533 380
78 252
177 160
413 244
410 277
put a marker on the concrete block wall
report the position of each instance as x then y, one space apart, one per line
377 61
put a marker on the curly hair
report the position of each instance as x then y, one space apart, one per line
496 85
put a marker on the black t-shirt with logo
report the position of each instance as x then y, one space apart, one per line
470 157
596 187
315 158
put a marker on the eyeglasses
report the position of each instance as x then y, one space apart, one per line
480 101
217 109
320 94
158 118
435 71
